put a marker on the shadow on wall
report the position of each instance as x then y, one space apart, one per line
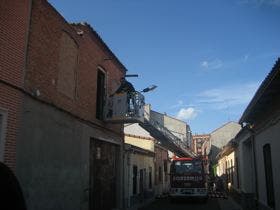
10 191
214 151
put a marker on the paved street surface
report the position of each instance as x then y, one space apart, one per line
165 204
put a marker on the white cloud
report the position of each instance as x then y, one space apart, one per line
187 113
204 64
179 104
229 96
212 64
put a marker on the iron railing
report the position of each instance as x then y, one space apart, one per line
125 108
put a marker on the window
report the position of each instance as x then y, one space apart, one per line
183 167
100 97
231 171
268 175
165 170
237 172
134 180
68 59
165 166
159 173
150 177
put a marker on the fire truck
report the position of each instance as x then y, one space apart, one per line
188 179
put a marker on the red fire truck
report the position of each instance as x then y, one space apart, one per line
188 179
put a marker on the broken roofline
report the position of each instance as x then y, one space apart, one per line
260 92
103 44
93 32
227 149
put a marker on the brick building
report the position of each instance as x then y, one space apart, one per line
201 144
13 35
55 77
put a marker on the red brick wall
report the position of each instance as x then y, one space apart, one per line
10 101
14 23
14 20
47 26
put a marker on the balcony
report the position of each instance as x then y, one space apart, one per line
125 108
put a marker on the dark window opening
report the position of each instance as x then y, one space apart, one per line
159 174
100 98
134 180
165 166
268 175
141 181
237 172
150 177
231 172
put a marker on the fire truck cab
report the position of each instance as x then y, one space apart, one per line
188 179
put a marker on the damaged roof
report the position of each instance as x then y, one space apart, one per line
268 90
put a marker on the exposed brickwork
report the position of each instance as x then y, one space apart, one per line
11 101
68 59
42 66
47 27
14 20
13 32
199 141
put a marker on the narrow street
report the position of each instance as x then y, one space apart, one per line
127 105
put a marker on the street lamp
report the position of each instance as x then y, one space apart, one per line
150 88
145 90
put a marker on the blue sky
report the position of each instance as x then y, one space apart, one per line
206 57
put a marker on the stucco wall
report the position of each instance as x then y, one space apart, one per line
177 127
246 164
223 135
142 143
227 161
268 136
142 162
53 158
136 129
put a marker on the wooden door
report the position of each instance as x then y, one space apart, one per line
103 175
